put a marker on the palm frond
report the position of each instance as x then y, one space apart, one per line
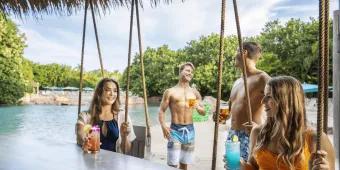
22 8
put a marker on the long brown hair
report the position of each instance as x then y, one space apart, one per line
288 124
96 104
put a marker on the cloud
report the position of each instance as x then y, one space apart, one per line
58 39
43 50
303 10
253 15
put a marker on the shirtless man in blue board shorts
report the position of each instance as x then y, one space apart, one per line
182 100
256 81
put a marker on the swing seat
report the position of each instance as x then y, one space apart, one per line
138 145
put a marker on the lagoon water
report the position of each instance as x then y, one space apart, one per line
43 137
56 123
50 123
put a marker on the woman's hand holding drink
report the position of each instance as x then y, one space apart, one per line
92 139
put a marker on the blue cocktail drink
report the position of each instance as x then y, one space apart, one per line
232 154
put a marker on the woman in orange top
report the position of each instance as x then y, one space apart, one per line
284 141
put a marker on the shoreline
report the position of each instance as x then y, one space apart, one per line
71 98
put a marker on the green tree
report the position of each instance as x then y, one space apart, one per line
63 75
162 64
292 49
12 85
204 53
27 72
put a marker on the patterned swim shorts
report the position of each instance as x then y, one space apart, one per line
181 144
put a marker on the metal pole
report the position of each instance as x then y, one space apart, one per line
336 83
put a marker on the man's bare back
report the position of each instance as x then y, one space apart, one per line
238 105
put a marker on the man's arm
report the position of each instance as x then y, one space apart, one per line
161 115
199 105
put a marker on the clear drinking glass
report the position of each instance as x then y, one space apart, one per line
224 112
191 102
95 139
232 155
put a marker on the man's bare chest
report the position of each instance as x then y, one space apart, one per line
181 95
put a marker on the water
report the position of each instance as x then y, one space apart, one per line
49 123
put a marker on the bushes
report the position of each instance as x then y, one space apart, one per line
12 81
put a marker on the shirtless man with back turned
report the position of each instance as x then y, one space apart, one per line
256 81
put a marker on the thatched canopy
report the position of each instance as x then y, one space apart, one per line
62 7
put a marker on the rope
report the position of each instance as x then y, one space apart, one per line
321 81
219 87
128 72
244 69
326 61
147 120
82 58
97 39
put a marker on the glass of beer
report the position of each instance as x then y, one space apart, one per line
224 112
95 139
191 102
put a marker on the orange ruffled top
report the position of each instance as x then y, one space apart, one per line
266 160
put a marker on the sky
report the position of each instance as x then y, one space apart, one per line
57 39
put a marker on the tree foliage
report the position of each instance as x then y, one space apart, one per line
292 49
12 83
289 48
204 54
159 65
162 65
62 75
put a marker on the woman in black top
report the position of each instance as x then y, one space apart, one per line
105 112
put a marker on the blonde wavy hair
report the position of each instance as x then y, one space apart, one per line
96 103
288 124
